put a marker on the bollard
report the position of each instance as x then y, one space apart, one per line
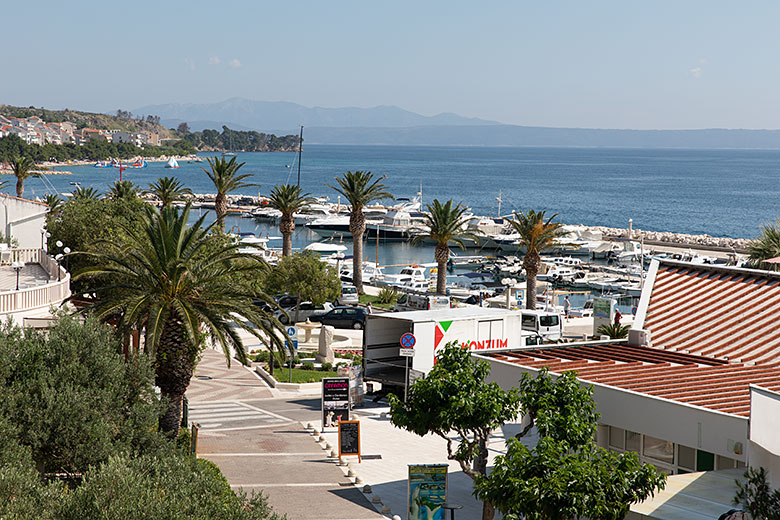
367 489
350 473
385 510
376 500
396 517
332 454
358 481
328 446
309 426
316 431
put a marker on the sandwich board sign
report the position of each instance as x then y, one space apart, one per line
349 439
335 400
427 490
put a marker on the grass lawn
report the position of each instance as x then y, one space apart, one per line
301 375
366 298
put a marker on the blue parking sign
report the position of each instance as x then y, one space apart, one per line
292 332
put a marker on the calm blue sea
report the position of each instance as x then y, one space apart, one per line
720 192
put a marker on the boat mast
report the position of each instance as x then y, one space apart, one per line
300 149
499 203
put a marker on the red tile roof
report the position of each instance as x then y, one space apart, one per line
694 380
721 312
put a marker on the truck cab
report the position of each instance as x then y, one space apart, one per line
547 324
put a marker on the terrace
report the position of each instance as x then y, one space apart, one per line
30 283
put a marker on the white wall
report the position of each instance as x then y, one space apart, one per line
23 220
691 426
764 428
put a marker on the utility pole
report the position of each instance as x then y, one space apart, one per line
300 149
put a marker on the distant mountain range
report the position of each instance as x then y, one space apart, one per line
390 125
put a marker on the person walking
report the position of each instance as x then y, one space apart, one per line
368 308
566 307
617 317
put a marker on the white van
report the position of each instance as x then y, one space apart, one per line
421 302
546 324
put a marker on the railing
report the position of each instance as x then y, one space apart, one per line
52 291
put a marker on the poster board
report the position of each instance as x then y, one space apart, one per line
603 312
427 491
335 399
349 439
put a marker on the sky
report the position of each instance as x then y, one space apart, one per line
596 64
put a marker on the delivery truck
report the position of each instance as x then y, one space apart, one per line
424 332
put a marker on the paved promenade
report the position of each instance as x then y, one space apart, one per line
258 448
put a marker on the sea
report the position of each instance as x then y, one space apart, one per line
725 193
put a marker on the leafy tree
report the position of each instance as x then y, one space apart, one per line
168 190
72 398
766 246
224 175
22 167
455 403
288 199
614 330
82 193
536 235
757 497
445 224
360 189
566 475
183 128
177 283
122 190
305 276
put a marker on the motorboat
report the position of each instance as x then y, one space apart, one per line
409 274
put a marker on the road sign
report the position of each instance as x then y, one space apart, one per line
408 341
406 352
292 331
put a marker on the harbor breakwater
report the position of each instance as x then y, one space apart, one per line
675 239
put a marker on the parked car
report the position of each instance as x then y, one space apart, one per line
343 317
286 300
305 311
349 295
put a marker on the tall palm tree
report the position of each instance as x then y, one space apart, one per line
183 285
360 189
82 193
766 246
445 223
224 176
22 169
536 235
168 190
122 190
288 199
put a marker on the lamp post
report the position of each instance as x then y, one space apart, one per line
339 258
67 258
509 283
58 258
18 266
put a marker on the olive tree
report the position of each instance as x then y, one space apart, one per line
304 276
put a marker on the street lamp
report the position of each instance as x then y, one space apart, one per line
58 258
18 266
67 259
509 283
339 257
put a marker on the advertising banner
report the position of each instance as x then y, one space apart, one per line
335 400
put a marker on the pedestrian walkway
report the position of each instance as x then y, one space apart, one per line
260 450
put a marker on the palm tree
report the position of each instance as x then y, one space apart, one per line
223 175
614 330
122 190
288 199
359 189
183 285
168 190
446 224
22 168
766 247
54 201
82 193
536 235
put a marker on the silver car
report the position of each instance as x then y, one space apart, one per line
306 309
349 296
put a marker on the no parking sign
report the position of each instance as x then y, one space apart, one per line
408 341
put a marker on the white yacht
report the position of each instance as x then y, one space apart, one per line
407 275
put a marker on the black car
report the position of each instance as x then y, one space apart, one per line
343 317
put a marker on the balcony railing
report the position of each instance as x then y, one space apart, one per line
45 292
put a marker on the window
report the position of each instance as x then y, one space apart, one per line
529 322
617 438
633 441
686 457
724 462
350 312
705 461
658 449
548 321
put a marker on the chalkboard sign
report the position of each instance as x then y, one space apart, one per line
349 438
335 400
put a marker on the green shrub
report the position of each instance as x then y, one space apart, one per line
308 365
387 296
261 356
326 367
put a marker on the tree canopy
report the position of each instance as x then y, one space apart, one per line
566 475
306 276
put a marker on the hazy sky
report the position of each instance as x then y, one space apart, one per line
607 64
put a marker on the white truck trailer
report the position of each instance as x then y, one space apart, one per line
475 328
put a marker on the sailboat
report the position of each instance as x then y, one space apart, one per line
229 152
172 163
